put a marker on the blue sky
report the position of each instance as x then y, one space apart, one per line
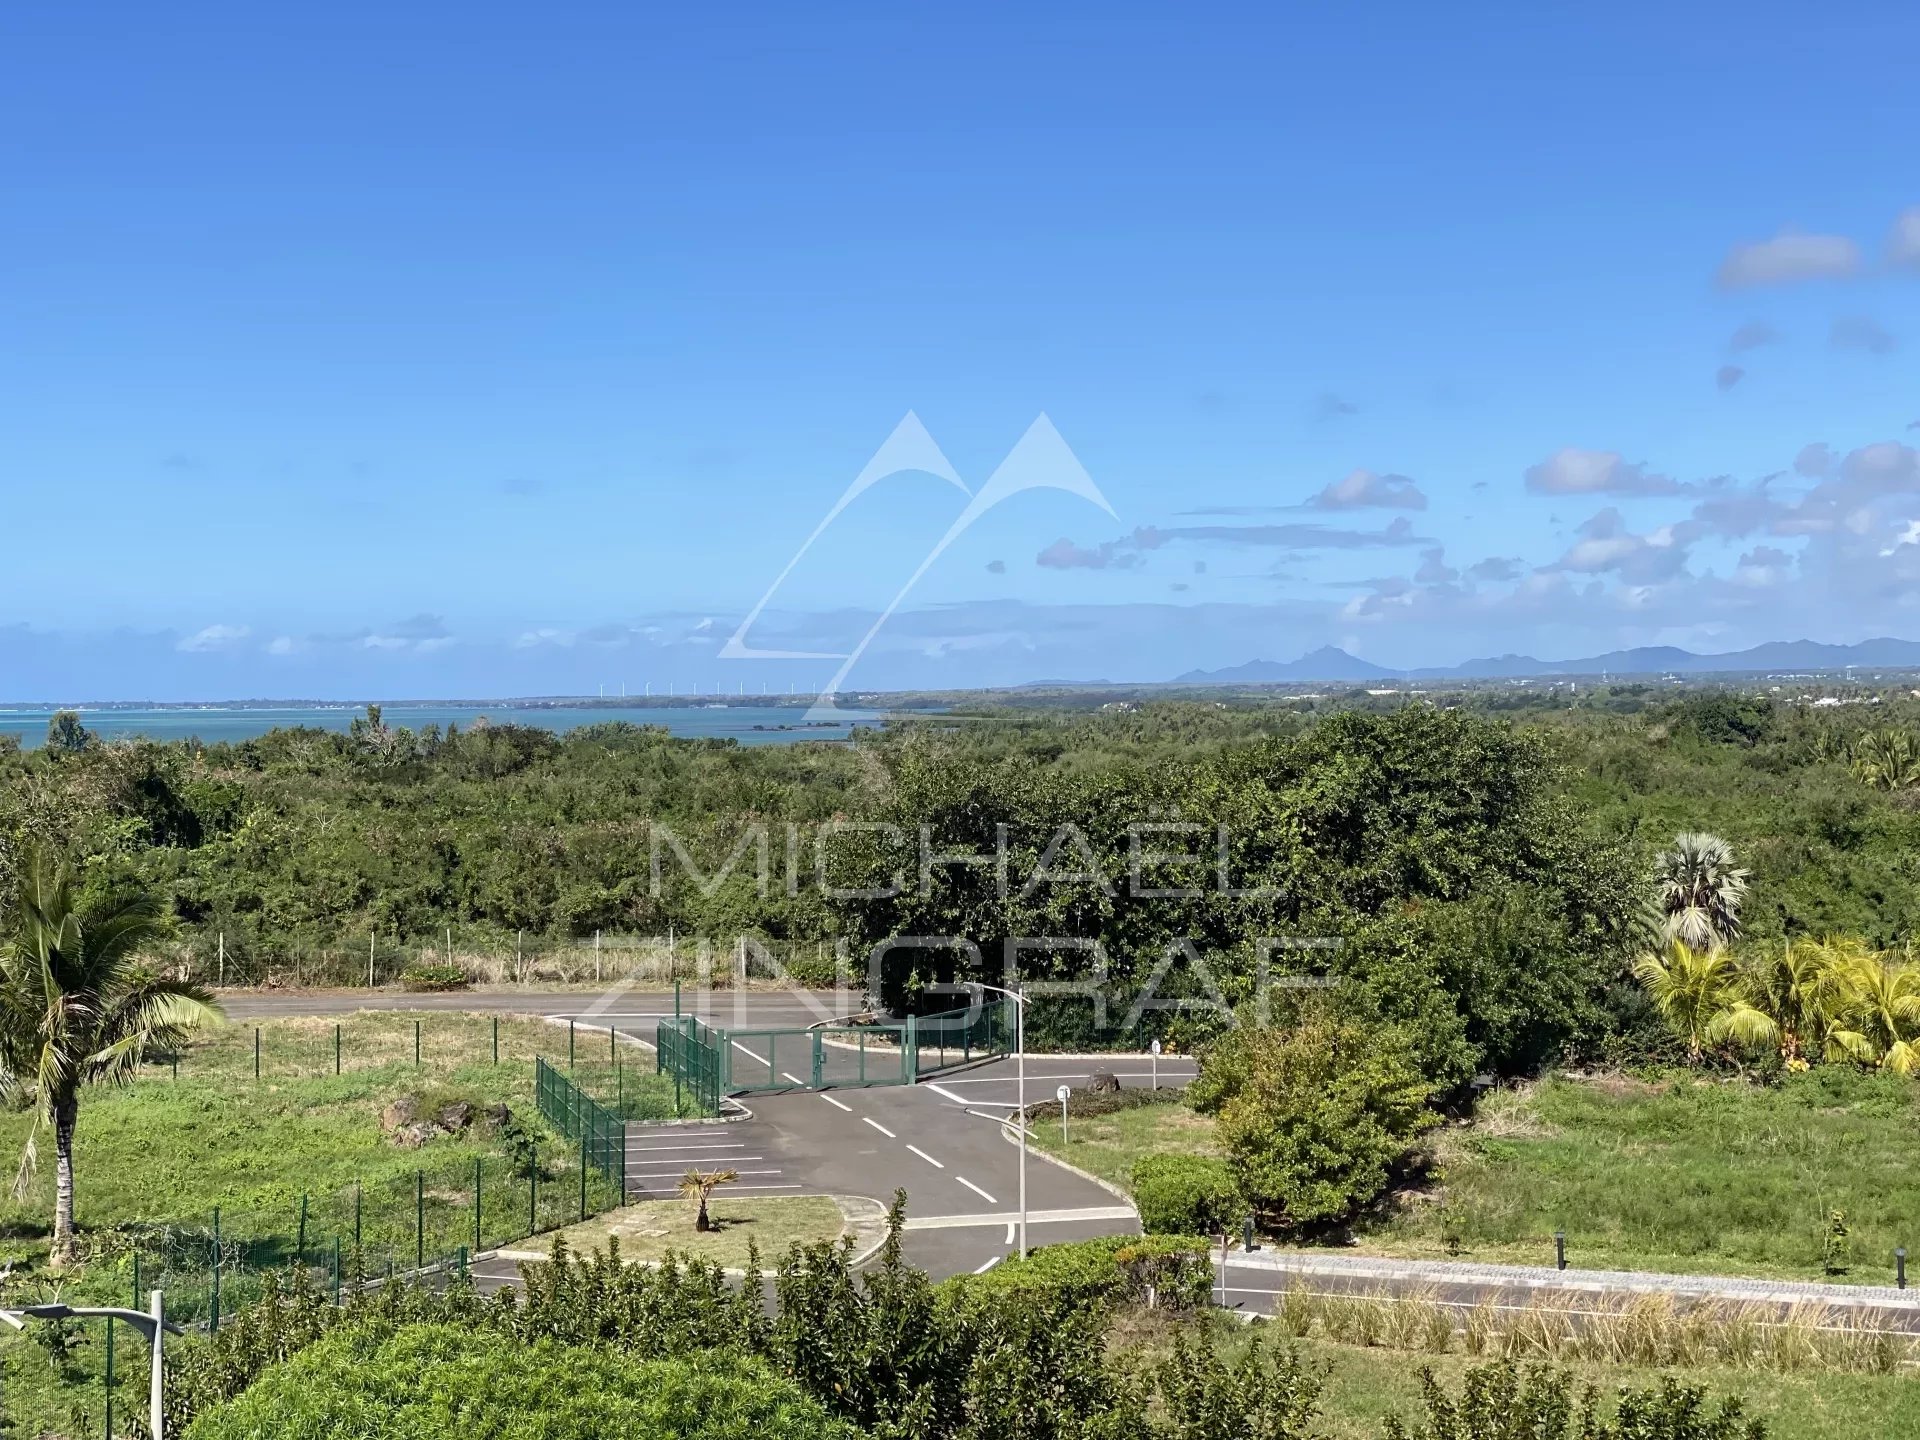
483 350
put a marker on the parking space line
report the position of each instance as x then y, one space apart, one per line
789 1075
881 1128
989 1265
836 1104
728 1145
926 1157
976 1190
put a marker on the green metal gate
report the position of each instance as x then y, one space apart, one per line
711 1062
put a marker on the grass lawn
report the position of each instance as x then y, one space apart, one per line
154 1159
151 1162
649 1230
1679 1174
1108 1145
1363 1385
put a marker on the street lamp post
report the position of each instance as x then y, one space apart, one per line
1020 1057
151 1324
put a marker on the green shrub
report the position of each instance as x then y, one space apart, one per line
1498 1402
1316 1117
435 977
439 1382
1172 1270
1187 1195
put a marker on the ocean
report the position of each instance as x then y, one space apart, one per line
747 723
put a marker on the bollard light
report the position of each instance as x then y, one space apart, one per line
1559 1249
1900 1266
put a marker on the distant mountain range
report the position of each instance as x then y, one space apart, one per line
1793 656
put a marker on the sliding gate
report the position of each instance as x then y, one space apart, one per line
714 1062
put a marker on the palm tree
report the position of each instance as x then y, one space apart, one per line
699 1185
1700 890
1887 759
77 1008
1882 1022
1692 989
1790 996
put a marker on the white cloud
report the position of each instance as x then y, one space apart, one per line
1595 472
1363 488
1860 332
1752 335
1789 257
1903 245
214 637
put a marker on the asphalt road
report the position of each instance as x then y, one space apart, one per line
942 1142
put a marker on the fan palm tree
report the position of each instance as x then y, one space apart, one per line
1882 1022
699 1185
1700 890
1693 989
77 1008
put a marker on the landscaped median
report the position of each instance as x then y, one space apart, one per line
650 1231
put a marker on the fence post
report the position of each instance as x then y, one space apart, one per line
256 1052
583 1172
336 1272
300 1250
570 1025
419 1220
356 1217
496 1039
612 1034
336 1049
476 1204
416 1043
214 1309
533 1188
109 1377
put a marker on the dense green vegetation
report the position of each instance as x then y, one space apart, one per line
369 1384
1080 1342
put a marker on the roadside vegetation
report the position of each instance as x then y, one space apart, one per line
1081 1342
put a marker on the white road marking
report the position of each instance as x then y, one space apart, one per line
674 1174
738 1145
1011 1227
1032 1077
989 1265
1034 1217
881 1128
789 1075
836 1104
976 1190
923 1155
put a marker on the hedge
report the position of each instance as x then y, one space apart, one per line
1187 1195
438 1382
1172 1270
